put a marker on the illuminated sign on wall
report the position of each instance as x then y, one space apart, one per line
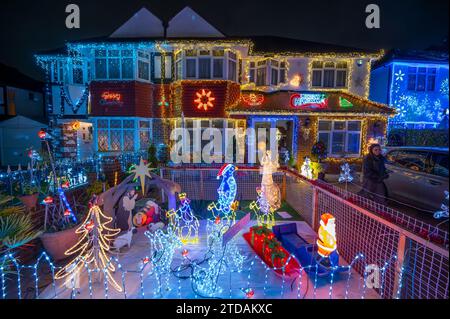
253 99
309 100
344 102
204 100
111 98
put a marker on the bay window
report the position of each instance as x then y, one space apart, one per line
162 63
143 71
144 134
259 72
115 135
77 72
58 71
328 74
206 64
341 138
114 64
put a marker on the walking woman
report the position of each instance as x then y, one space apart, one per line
374 174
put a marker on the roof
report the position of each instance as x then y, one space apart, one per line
424 56
269 45
142 23
337 102
10 76
19 121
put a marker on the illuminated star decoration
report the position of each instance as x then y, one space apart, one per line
141 171
204 100
399 75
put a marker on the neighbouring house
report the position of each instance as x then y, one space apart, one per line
17 135
22 115
132 87
20 95
416 84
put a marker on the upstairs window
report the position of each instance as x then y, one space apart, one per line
58 71
260 71
328 74
77 72
421 79
206 64
232 66
277 72
143 61
162 63
114 64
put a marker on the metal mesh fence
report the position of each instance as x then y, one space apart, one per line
426 273
299 195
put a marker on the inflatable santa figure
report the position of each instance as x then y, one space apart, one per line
327 235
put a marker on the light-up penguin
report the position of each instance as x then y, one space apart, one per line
225 206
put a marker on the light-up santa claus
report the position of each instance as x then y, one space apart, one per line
327 235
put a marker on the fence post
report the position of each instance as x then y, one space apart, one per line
161 173
398 265
315 208
202 194
283 187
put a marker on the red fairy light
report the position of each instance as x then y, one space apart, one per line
184 253
42 134
67 213
65 184
89 226
217 221
249 293
145 260
48 200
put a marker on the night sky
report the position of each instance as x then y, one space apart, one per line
26 27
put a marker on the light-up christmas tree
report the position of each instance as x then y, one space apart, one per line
92 247
345 176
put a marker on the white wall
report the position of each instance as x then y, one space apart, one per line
75 91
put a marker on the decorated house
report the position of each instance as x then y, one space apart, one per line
416 84
120 93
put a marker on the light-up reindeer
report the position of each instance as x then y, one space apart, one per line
262 209
225 207
220 256
162 249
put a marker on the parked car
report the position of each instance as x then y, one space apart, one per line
417 175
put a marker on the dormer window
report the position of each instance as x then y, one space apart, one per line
329 74
258 72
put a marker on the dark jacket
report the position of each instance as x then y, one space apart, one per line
374 168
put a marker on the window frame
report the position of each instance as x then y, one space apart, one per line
336 70
430 72
121 57
347 134
122 129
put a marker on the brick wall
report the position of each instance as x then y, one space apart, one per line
133 99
